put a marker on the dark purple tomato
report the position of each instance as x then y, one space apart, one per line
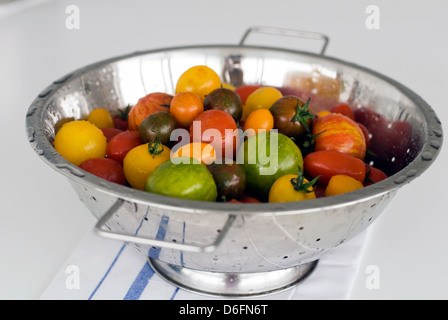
226 100
160 124
230 180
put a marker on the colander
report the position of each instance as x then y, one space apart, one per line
238 249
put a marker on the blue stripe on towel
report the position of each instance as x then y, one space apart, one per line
146 273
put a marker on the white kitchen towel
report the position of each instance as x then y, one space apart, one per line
105 269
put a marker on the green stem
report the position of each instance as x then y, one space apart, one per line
154 146
303 114
300 185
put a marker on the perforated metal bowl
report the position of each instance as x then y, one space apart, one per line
221 248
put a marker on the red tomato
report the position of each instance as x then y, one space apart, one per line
245 90
109 133
344 109
248 199
339 133
365 132
329 163
218 128
373 175
121 144
108 169
156 101
120 123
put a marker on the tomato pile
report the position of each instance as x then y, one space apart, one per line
210 141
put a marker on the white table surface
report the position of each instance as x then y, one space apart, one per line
41 218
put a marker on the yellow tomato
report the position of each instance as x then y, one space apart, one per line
101 118
80 140
200 80
261 98
139 163
341 183
201 151
283 190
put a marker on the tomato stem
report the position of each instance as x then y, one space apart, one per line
300 185
124 113
154 146
303 114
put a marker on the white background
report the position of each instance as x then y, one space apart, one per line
41 218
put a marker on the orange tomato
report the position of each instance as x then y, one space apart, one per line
185 107
147 105
203 152
339 133
101 118
340 184
261 119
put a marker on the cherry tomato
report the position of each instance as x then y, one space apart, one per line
261 119
200 151
245 90
200 80
156 101
329 163
121 144
160 125
80 140
344 109
261 98
141 161
291 187
109 133
108 169
101 118
373 175
218 128
292 116
248 199
185 107
226 100
230 179
339 133
340 184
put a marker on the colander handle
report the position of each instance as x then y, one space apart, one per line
287 32
100 230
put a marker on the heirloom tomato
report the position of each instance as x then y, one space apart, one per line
200 80
159 125
147 105
261 98
325 164
259 120
185 180
101 118
339 133
226 100
292 187
108 169
185 107
121 144
80 140
141 161
340 184
218 128
230 180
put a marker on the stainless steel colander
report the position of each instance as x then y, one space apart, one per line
235 249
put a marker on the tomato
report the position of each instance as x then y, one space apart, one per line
391 142
340 184
159 125
218 128
261 98
101 118
121 144
109 133
147 105
344 109
292 116
259 120
262 167
329 163
108 169
202 152
121 119
78 141
200 80
373 175
141 161
230 180
185 107
225 100
291 187
185 180
339 133
365 132
248 199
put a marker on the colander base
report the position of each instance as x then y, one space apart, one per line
232 284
